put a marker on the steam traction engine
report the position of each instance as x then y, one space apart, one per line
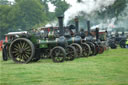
25 47
94 43
85 47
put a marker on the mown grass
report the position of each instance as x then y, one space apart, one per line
109 68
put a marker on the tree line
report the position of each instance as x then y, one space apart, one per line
28 14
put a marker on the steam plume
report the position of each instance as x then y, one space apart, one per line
86 6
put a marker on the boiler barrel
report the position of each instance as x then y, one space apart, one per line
58 41
76 39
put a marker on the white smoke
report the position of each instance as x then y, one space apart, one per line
123 18
51 7
51 24
86 6
108 25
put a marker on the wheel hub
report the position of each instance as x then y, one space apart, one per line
21 51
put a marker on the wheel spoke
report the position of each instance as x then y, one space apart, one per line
27 55
18 56
16 46
27 52
21 56
27 48
24 45
21 45
15 49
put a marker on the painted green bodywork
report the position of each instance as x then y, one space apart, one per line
34 39
45 43
43 46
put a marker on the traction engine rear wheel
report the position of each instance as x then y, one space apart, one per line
22 50
58 54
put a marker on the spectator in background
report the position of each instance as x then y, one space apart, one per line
82 33
126 43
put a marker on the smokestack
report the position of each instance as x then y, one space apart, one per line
77 24
88 26
60 19
97 34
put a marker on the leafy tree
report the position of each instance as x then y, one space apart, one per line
50 15
4 23
115 9
61 6
28 13
24 14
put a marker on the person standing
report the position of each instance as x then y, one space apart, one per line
126 43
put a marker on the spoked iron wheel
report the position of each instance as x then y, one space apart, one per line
71 53
86 49
122 43
22 50
58 54
78 49
101 49
92 46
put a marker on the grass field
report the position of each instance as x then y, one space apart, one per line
110 68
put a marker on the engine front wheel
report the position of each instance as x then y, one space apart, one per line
78 49
71 53
92 46
86 49
58 54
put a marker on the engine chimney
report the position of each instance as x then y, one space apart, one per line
60 19
77 25
97 34
88 26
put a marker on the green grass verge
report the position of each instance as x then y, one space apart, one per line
109 68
